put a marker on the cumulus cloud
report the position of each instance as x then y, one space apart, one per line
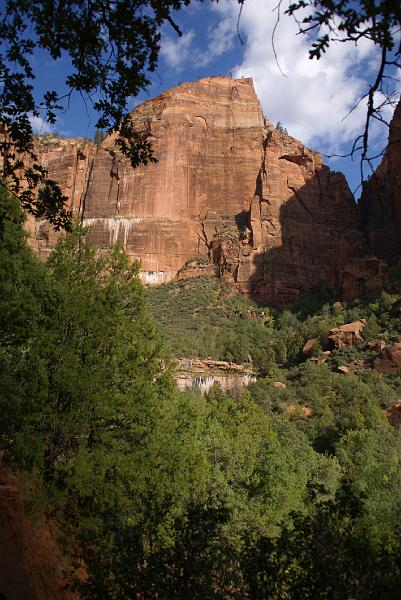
313 98
175 51
200 48
39 126
220 39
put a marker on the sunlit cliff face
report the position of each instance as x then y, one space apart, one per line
227 187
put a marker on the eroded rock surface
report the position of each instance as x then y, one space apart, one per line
389 360
347 335
361 276
207 137
227 188
204 373
381 199
69 161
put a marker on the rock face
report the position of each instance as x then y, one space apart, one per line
32 564
207 137
347 335
304 225
389 360
227 188
69 162
362 276
381 199
203 373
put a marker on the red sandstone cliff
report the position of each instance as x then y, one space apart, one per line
207 137
381 198
227 187
69 162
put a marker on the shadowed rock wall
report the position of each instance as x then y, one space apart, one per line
381 198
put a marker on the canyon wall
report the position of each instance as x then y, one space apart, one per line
207 138
69 162
381 198
228 189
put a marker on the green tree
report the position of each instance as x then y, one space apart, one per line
112 46
325 554
280 128
371 462
248 475
80 372
25 289
99 137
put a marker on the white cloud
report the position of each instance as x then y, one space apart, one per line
175 51
220 39
314 97
39 126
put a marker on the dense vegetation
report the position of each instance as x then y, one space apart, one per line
201 317
165 494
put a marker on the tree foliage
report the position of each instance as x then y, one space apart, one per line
112 47
290 491
328 22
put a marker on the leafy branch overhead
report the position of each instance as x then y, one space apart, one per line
347 21
112 47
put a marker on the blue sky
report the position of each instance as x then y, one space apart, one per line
310 98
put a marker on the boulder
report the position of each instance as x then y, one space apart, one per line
389 360
318 360
309 347
377 344
394 414
347 335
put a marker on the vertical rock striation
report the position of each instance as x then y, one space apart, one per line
381 198
227 188
69 162
207 137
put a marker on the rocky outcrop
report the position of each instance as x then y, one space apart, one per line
394 415
204 373
227 188
196 267
361 276
347 335
201 365
381 199
69 162
389 360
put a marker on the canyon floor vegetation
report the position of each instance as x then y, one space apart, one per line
285 492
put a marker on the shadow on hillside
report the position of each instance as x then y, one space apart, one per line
301 249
